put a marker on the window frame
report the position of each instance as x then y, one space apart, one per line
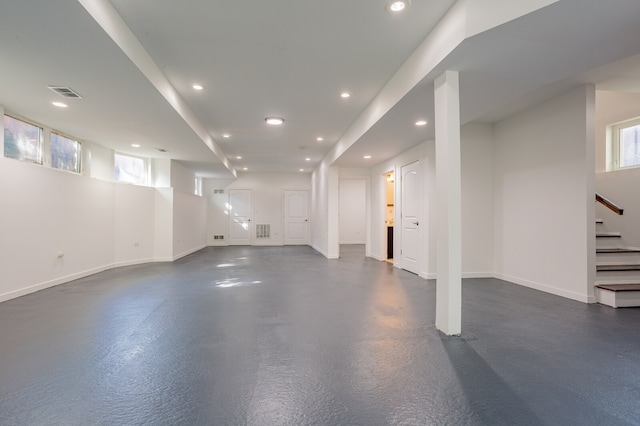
614 132
41 139
145 165
63 135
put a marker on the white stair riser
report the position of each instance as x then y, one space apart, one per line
627 276
608 242
617 258
618 299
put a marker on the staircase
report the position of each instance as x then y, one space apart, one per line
617 270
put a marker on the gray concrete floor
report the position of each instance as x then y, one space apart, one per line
282 336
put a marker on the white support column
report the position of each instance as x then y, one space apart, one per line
449 204
2 130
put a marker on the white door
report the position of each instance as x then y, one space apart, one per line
239 217
296 217
410 213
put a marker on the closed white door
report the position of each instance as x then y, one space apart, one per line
296 217
239 209
410 213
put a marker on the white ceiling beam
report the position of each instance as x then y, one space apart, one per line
108 18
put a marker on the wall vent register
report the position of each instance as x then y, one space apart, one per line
263 231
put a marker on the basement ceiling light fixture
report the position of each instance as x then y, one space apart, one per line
345 95
421 123
319 139
274 121
59 104
367 157
398 5
135 145
226 135
239 157
197 87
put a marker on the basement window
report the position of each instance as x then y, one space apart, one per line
22 141
65 153
625 143
130 169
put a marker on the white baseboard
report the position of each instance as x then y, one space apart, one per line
52 283
545 288
324 253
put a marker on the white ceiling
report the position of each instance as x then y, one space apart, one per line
292 58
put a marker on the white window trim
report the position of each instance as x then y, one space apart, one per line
613 140
64 135
147 168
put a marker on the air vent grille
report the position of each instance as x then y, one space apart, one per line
263 231
65 92
161 150
218 191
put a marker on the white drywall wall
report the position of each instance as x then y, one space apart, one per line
267 202
543 182
353 210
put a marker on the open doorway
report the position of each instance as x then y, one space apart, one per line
389 212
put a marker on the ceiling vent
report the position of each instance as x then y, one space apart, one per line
65 91
161 150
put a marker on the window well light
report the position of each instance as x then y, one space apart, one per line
274 121
59 104
197 87
421 123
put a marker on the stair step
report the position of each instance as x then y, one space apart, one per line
627 267
609 235
619 287
618 250
619 295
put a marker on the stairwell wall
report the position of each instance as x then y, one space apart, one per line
544 185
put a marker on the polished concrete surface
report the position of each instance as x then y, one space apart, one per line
282 336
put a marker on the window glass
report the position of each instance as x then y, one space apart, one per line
629 139
130 169
65 153
22 141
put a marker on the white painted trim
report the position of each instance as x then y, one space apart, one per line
322 252
133 262
376 257
52 283
478 275
544 288
188 252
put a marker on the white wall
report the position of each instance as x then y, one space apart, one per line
544 215
324 211
352 210
267 203
477 203
189 223
134 224
93 224
620 186
182 179
611 108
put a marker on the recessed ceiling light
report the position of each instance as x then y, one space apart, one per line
226 135
135 145
319 139
239 157
345 95
398 5
307 159
421 123
366 157
274 121
302 170
197 87
59 104
245 168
